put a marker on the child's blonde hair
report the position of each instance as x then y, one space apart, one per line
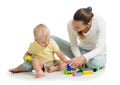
41 31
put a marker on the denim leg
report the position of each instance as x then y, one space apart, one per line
98 61
27 66
82 51
64 46
66 49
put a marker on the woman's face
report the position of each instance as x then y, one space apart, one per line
78 26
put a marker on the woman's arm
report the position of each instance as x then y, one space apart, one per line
73 40
100 44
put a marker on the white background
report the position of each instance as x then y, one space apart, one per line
19 17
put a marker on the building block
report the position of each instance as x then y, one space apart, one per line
28 58
75 73
97 68
68 67
65 72
87 72
94 69
79 72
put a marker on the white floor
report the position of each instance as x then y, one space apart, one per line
109 74
58 75
103 76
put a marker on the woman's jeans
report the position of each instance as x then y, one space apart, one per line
66 49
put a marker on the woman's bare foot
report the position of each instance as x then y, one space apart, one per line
53 68
39 74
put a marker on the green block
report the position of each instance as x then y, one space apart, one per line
65 72
80 70
97 68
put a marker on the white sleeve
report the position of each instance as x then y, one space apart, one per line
73 41
100 44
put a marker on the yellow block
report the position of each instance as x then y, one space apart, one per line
87 72
28 58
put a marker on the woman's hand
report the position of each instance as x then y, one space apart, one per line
77 62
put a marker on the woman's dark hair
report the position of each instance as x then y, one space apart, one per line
84 15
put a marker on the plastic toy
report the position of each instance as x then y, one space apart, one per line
28 58
68 69
79 72
76 73
87 72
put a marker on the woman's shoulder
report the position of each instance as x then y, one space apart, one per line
69 23
98 21
70 28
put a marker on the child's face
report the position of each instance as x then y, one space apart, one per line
43 41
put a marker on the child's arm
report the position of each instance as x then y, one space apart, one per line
61 56
26 55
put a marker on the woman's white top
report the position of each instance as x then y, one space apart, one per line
94 41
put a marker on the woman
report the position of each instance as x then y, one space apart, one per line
87 40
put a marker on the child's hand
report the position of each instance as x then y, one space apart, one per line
28 58
26 54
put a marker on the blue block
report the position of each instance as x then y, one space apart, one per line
94 69
68 67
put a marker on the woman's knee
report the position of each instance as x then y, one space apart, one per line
97 62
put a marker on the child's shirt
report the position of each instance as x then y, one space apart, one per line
44 54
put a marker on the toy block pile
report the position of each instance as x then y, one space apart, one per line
79 72
68 69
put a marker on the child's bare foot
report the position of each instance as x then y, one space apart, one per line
14 70
53 68
39 74
17 69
